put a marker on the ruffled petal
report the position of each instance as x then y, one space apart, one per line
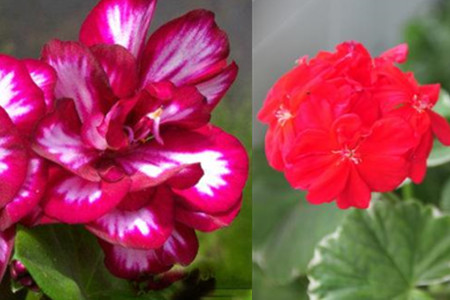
145 228
45 78
181 247
207 222
120 67
28 196
216 87
419 158
72 199
6 247
20 97
13 159
131 263
80 77
187 50
440 128
58 139
225 165
120 22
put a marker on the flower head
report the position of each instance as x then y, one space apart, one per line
344 124
133 155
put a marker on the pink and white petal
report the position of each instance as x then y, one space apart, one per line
186 177
207 222
74 200
440 127
225 165
186 50
57 138
28 196
6 247
187 109
144 228
45 78
19 95
216 87
13 159
119 22
120 67
80 77
181 247
133 264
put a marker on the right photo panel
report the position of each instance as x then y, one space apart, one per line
351 156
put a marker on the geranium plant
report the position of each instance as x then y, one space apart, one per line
112 132
349 128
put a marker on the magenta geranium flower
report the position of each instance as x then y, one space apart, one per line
134 156
26 93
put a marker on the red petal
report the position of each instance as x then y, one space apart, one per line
207 222
73 200
398 54
216 87
6 247
13 160
356 193
120 22
181 247
120 67
330 184
20 97
131 263
144 228
186 177
389 136
57 138
186 50
45 78
440 127
419 158
28 196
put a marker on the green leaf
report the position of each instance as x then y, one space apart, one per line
287 228
67 263
386 252
442 107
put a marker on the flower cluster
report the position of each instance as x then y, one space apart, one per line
344 124
112 131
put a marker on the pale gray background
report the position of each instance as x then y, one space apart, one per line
284 30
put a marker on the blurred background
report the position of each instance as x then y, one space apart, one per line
224 258
286 229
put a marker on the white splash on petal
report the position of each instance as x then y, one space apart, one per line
214 168
4 153
122 222
3 250
66 146
8 93
77 190
133 259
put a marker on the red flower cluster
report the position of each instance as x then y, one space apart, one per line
344 124
113 132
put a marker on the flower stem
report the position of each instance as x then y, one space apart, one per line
407 191
392 197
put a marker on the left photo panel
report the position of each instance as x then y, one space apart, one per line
125 150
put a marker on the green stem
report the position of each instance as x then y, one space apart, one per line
407 191
392 196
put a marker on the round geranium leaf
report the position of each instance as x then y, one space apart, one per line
390 251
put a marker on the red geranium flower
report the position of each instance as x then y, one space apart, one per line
343 124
